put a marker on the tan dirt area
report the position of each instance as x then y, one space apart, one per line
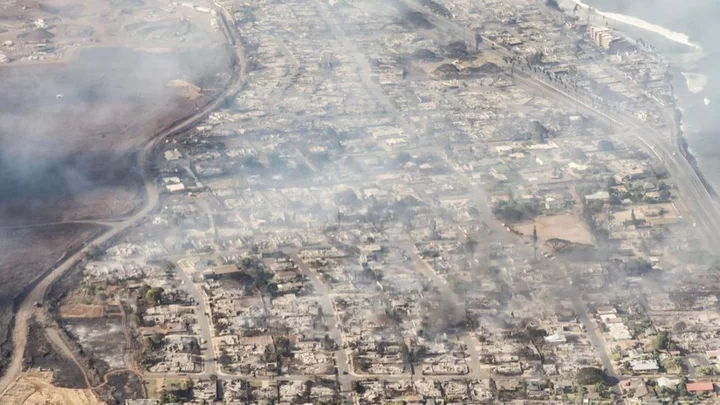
564 226
34 388
81 311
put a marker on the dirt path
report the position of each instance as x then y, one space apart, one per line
106 377
56 340
127 357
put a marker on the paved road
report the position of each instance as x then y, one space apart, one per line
208 351
27 307
341 358
476 369
302 377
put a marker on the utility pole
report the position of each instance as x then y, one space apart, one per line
535 240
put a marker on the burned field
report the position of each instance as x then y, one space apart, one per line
40 354
70 131
93 322
100 338
26 255
92 327
69 135
122 386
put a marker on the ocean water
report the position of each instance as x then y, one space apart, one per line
687 32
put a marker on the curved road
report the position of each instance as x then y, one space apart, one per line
27 307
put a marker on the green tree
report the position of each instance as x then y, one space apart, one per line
707 370
168 397
93 252
329 344
661 342
155 295
590 376
602 390
283 345
665 195
224 359
90 290
670 363
664 391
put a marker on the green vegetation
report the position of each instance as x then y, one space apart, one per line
329 344
93 252
155 295
662 342
147 296
671 364
707 370
254 275
538 132
175 391
602 389
224 358
590 376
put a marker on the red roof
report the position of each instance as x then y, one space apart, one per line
700 387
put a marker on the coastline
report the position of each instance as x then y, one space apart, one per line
682 56
677 37
695 82
682 141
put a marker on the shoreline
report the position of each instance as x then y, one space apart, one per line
682 142
674 36
678 73
695 82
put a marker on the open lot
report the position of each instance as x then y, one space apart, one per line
124 386
564 226
42 354
101 339
81 311
34 388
